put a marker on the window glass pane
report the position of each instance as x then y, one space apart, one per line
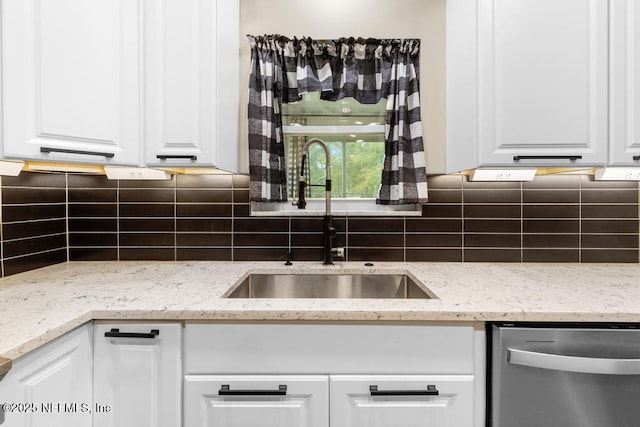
364 159
356 165
356 159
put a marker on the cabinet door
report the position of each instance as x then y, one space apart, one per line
542 82
137 379
191 82
625 82
70 78
51 386
305 403
354 405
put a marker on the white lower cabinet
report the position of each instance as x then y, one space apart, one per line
246 375
356 375
256 401
51 386
401 401
138 375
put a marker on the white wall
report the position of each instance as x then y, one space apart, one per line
329 19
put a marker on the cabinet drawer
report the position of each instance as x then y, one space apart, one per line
400 400
336 349
256 401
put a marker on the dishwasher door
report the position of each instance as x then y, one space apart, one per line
564 377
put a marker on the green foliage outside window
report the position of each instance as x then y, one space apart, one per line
356 168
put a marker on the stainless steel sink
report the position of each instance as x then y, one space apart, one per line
328 285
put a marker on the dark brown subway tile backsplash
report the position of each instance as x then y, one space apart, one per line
49 218
33 261
92 218
34 216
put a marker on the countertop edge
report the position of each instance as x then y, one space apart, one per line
47 337
5 366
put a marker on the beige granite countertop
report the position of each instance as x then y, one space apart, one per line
38 306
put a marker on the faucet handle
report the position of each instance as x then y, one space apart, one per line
337 252
287 257
302 184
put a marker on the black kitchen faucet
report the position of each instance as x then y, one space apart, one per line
328 230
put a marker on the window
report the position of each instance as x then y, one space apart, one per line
354 134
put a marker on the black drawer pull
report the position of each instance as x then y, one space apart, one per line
572 158
68 151
225 391
636 158
115 333
177 156
430 391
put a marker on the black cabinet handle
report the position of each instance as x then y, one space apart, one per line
69 151
572 158
430 391
177 156
225 391
115 333
636 158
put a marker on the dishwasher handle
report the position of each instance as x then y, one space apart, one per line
586 365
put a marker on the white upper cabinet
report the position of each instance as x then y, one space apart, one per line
70 80
542 82
625 83
191 67
121 81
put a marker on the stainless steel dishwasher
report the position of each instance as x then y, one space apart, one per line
564 375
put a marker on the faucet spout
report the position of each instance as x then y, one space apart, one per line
328 230
327 181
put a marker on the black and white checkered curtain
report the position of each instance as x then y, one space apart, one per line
368 70
404 177
267 167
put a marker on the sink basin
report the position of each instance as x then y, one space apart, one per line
329 285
